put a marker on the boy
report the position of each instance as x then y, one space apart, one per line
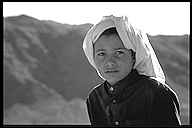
134 91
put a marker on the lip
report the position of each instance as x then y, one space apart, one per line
111 71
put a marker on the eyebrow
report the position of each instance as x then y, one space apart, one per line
120 49
101 49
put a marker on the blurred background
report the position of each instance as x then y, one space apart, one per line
47 77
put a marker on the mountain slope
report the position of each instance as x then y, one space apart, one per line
44 59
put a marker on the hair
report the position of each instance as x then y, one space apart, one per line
110 31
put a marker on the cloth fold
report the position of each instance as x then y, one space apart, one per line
132 38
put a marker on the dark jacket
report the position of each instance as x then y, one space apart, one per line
133 101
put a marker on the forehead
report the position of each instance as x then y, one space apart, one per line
108 41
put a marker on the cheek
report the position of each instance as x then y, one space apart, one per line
98 63
126 63
99 66
99 60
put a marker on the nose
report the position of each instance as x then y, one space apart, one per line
110 62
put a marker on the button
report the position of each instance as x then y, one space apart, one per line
111 89
116 123
114 101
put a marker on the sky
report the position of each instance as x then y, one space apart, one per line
167 18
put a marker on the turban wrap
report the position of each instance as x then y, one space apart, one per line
132 38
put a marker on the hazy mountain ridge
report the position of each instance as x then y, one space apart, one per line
47 57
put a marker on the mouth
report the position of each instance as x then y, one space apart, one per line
111 71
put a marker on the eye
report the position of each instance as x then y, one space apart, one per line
119 52
100 54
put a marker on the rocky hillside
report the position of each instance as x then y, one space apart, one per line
44 60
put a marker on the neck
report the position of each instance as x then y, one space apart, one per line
114 82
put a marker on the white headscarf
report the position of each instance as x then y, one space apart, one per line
146 60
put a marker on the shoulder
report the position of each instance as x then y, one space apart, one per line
156 86
151 84
92 92
160 91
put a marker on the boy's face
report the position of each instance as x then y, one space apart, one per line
112 59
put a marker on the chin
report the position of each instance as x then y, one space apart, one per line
112 80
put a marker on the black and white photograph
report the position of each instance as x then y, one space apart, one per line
96 63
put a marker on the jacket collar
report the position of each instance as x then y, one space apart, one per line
126 82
